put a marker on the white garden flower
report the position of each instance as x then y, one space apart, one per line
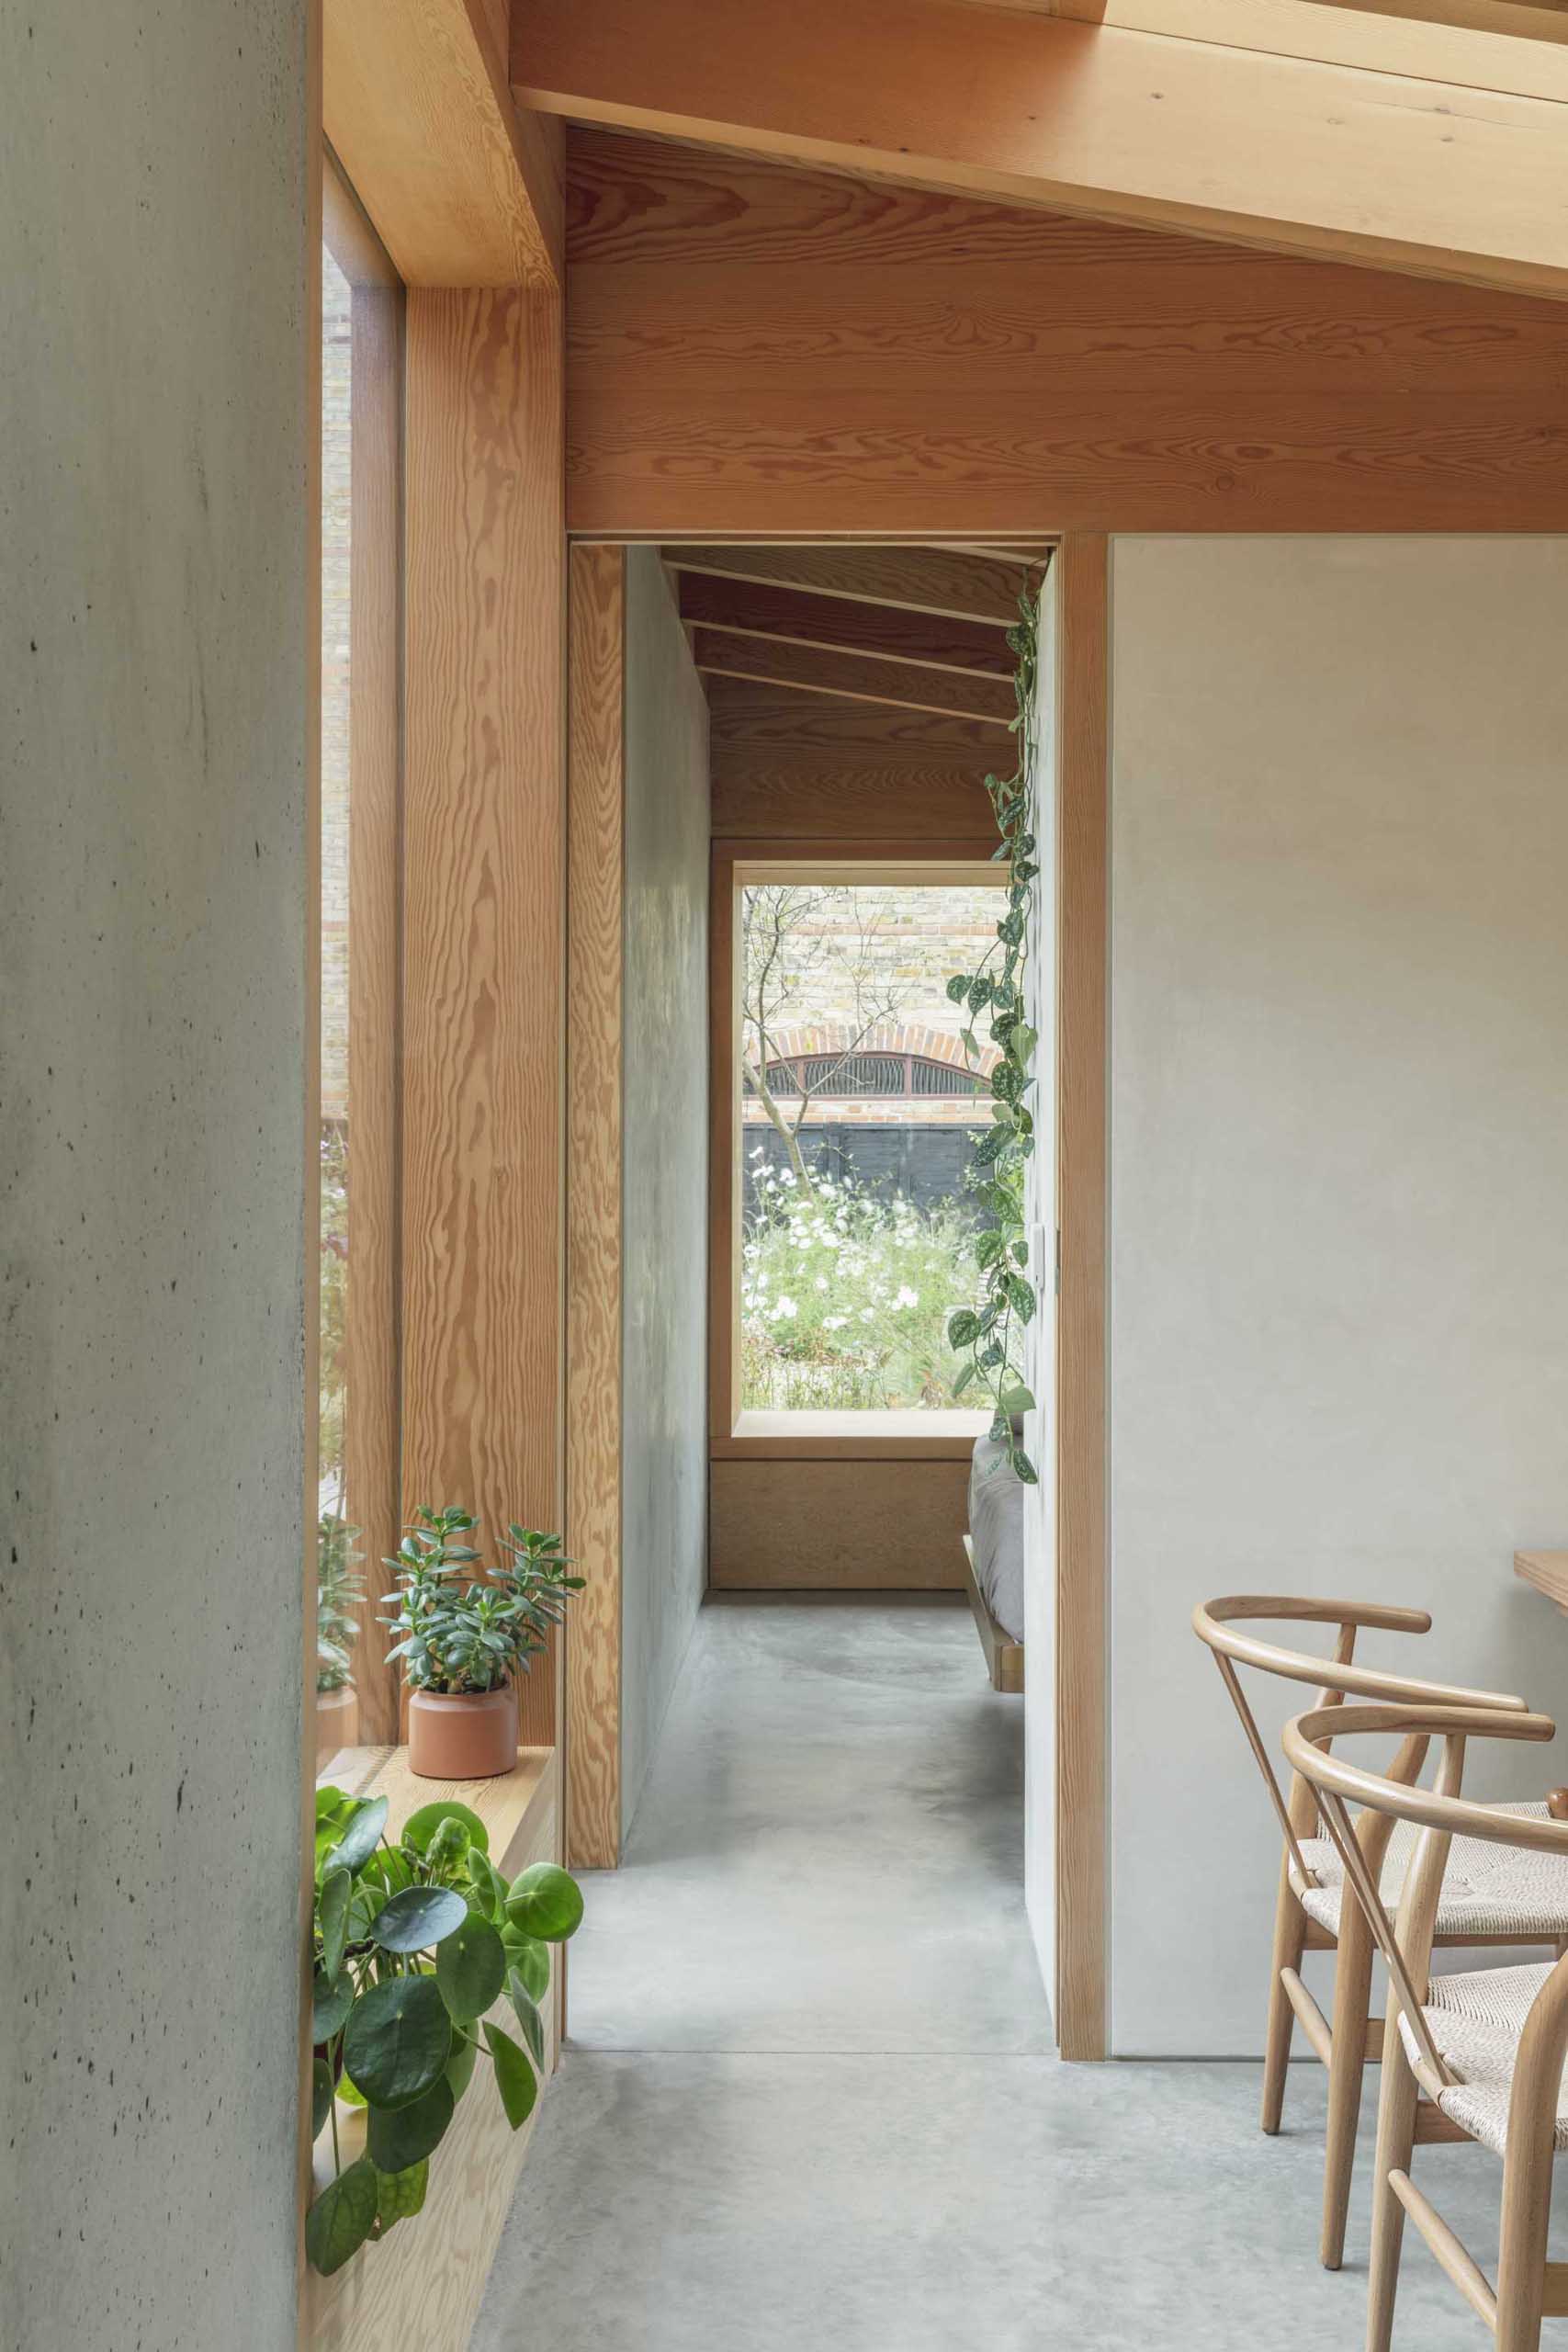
783 1305
907 1297
821 1281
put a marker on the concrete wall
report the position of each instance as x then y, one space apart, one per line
1339 1125
664 1429
153 666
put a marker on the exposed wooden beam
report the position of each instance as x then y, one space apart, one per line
1471 44
876 630
464 187
808 670
914 580
1452 181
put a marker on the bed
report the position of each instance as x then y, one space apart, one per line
993 1555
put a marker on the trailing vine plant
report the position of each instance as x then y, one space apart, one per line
988 1335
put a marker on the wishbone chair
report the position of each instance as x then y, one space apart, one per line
1311 1914
1477 2056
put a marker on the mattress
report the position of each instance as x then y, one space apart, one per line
996 1531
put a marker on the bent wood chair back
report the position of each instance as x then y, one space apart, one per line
1224 1626
1525 2005
1215 1622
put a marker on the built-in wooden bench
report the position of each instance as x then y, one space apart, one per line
423 2284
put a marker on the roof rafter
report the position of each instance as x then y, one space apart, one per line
916 579
1299 148
853 677
834 624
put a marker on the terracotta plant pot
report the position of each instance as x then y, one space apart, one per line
335 1720
468 1738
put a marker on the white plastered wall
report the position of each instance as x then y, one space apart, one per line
1340 1132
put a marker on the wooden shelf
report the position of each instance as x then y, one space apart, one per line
1547 1571
504 1804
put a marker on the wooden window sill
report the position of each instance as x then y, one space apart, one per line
911 1436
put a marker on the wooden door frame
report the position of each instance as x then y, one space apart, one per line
1080 1725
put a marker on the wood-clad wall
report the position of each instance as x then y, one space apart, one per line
483 914
801 354
813 768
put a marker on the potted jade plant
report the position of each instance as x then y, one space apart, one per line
463 1639
414 1943
340 1589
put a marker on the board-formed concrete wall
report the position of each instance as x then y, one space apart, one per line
154 668
664 1360
1339 1124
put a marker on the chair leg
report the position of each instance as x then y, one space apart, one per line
1396 2137
1352 1996
1289 1935
1527 2212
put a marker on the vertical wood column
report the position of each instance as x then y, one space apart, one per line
1082 1050
483 933
595 880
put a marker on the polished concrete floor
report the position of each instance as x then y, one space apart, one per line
808 2099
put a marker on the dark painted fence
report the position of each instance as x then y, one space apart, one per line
923 1164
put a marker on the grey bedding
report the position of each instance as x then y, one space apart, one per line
996 1531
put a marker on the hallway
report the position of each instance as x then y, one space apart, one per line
808 2099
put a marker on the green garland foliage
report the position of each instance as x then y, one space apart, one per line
987 1335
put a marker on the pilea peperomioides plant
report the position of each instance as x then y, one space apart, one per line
412 1944
986 1333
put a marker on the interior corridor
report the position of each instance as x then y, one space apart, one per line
808 2098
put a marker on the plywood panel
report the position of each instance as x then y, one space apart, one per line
423 2284
889 1526
802 354
483 936
1081 1567
817 768
596 777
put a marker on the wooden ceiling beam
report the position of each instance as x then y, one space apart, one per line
1294 152
464 187
1456 42
852 677
835 625
913 580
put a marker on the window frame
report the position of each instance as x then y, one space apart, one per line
372 1412
916 1434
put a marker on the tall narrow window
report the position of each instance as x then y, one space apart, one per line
358 1499
860 1099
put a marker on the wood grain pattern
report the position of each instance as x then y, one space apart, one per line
914 580
808 669
484 915
595 957
848 626
795 353
1307 157
1547 1571
808 767
463 185
424 2283
1082 1049
372 1402
888 1526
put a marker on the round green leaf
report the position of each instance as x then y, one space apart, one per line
401 2193
531 1958
359 1841
341 2218
420 1827
528 2017
330 2006
349 2092
333 1804
513 2076
545 1902
397 2041
337 1886
321 2094
471 1967
399 2137
418 1917
460 2065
